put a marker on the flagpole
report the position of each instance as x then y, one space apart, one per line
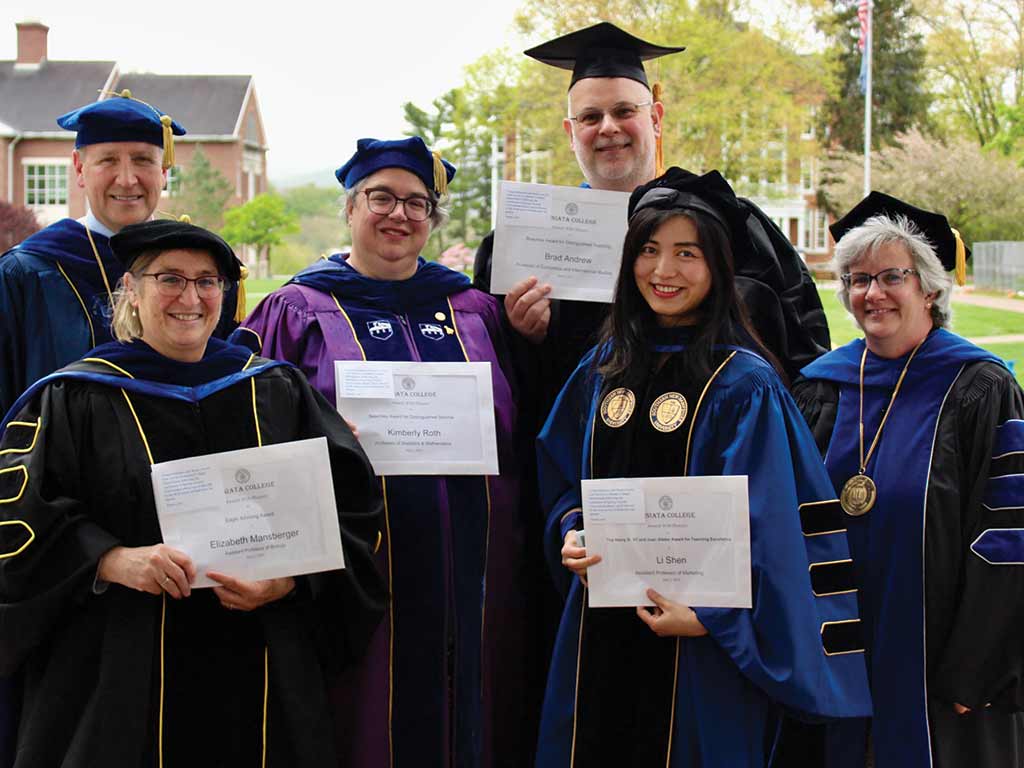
869 43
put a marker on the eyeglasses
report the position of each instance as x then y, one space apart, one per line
382 202
860 282
169 284
620 113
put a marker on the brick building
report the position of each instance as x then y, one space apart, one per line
220 113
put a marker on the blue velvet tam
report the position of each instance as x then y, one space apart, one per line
120 118
409 154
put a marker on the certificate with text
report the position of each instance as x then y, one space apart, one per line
255 513
421 418
686 537
570 237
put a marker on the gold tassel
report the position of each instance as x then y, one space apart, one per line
240 305
440 175
659 153
961 259
165 121
184 219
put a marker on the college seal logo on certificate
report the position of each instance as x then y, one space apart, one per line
669 412
617 407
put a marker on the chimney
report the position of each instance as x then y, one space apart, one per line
31 42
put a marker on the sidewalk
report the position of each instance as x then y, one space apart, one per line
1011 338
985 300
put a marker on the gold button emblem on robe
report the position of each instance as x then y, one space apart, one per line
439 316
617 407
669 412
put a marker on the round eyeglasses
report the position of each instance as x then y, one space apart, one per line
383 202
860 282
170 284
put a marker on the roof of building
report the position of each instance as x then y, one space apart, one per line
207 105
31 98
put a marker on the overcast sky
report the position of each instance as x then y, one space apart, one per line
326 74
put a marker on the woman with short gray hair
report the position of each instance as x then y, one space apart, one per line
923 435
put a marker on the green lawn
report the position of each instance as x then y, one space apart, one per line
1011 353
257 289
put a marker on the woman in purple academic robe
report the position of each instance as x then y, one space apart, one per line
442 682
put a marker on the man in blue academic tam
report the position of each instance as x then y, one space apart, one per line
56 287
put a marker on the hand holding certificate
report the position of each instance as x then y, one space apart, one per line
255 513
686 537
570 237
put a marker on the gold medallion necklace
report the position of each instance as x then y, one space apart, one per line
860 493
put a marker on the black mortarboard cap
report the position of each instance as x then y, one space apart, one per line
602 50
949 246
168 234
710 194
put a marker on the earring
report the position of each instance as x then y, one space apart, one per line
135 311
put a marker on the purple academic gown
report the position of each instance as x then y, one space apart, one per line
442 683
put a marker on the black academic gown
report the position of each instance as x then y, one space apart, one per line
119 677
938 560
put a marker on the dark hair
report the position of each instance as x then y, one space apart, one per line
625 337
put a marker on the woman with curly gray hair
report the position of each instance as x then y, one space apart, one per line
923 436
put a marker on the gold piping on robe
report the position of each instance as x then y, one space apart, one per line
351 327
88 317
37 425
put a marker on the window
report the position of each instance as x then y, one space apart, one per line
173 188
46 185
807 168
815 230
820 230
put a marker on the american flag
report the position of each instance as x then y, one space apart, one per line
864 16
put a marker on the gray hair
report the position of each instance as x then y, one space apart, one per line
438 216
125 323
882 230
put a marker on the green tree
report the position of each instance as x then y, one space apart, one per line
900 98
262 223
451 128
1009 140
976 61
202 192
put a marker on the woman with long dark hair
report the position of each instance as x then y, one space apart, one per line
681 385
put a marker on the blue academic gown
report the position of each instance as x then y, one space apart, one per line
793 651
937 558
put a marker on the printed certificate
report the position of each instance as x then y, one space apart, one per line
687 537
421 418
255 513
570 237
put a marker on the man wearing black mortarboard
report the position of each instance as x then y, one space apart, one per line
614 125
56 287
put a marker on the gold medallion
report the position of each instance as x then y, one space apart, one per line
669 412
858 496
617 407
